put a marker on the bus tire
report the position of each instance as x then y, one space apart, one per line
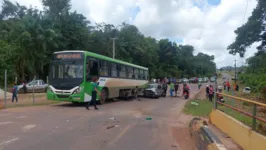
104 96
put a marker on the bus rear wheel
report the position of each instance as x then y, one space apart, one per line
104 96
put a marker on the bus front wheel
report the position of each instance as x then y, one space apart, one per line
104 96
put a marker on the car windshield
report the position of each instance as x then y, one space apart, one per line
152 85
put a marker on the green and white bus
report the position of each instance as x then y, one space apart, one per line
71 73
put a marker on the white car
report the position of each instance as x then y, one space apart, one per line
247 90
38 85
185 80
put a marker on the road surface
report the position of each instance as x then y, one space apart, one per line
120 125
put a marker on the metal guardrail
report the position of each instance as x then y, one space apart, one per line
254 109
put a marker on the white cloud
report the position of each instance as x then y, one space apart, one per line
209 28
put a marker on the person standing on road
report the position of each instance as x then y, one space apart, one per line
165 89
24 87
176 88
228 86
207 91
14 93
211 91
224 85
199 85
172 88
94 94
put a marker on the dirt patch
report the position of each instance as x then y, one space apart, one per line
181 136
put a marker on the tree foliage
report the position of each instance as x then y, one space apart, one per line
252 31
28 38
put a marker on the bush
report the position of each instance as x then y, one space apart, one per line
257 82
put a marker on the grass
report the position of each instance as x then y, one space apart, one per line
203 109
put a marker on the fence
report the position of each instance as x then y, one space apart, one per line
32 97
252 115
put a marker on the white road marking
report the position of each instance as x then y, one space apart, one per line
21 117
28 127
2 123
8 141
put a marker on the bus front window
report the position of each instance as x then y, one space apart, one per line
67 70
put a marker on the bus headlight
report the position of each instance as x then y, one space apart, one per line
48 89
78 90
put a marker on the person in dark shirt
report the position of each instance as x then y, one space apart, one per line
165 88
207 91
176 88
14 93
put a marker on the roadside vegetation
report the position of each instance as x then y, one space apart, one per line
251 32
203 109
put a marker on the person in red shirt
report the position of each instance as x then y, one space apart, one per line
228 86
211 92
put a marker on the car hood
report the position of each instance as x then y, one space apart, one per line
150 89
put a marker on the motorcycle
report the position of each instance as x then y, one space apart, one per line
220 98
186 95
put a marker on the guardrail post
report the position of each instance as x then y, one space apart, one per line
254 110
5 97
33 95
215 101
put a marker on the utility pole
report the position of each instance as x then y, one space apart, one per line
113 47
235 71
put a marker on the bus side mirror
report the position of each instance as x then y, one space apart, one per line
97 83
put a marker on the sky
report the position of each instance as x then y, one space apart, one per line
208 25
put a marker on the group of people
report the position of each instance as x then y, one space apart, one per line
227 86
174 87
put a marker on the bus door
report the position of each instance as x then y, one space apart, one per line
92 70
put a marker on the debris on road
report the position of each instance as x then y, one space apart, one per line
28 127
194 103
112 126
148 118
173 145
112 118
109 127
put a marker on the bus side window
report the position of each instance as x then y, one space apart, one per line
114 70
140 74
118 66
146 75
136 73
129 72
122 72
133 73
103 68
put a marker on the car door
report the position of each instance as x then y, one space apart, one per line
159 89
31 85
41 86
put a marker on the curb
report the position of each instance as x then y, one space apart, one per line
203 137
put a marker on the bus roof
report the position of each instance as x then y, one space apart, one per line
87 53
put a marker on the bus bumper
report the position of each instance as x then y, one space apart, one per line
67 98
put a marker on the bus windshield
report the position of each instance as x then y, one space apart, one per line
66 71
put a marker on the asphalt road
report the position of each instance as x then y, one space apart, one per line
120 125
